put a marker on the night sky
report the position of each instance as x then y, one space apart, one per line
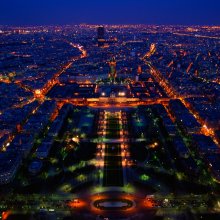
40 12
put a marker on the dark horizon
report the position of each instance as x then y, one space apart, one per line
105 24
157 12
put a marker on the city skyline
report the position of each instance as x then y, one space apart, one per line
116 12
114 122
109 110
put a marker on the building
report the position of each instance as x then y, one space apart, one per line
9 165
101 36
101 33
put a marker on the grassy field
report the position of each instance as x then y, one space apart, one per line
113 128
113 173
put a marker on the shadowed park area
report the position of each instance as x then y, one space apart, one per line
113 172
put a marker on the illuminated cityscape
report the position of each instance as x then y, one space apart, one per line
126 128
109 122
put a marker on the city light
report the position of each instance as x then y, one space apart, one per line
109 121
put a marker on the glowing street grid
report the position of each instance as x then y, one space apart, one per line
110 122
